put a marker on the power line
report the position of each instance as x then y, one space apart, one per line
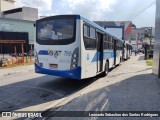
141 11
138 13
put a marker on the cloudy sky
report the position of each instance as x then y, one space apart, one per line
97 10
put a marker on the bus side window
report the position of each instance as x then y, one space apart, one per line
110 42
89 37
106 42
86 30
92 32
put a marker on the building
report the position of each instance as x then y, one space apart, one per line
156 56
23 13
126 24
18 19
6 5
14 25
142 33
139 36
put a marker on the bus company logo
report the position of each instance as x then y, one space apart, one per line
54 53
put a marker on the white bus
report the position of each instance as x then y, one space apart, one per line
127 50
74 47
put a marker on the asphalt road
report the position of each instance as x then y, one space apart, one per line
128 87
31 91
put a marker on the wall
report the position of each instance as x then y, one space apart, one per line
136 32
18 26
6 5
127 26
156 57
27 13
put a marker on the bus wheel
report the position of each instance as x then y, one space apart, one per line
106 69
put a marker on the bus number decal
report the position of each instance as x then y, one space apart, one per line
67 53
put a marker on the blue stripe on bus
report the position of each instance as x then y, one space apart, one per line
75 74
43 52
105 57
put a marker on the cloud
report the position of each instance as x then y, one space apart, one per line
110 10
42 5
96 10
91 9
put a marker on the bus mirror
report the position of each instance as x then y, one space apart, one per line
34 25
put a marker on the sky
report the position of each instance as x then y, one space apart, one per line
97 10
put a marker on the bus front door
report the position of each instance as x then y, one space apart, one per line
115 50
100 53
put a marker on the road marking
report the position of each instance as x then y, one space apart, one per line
105 104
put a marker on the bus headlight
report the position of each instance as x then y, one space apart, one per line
73 65
75 55
36 58
74 59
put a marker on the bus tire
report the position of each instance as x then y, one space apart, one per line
106 69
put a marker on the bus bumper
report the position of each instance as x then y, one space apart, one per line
75 74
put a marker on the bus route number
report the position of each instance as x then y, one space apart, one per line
67 53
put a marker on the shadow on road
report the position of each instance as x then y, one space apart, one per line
38 91
138 93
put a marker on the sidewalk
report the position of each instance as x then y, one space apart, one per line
129 87
15 70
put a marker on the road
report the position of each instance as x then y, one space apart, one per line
128 87
35 92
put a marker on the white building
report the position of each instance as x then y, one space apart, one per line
6 5
7 10
18 19
23 13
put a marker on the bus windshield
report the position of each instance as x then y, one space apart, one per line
56 29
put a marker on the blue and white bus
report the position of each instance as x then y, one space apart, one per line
127 50
74 47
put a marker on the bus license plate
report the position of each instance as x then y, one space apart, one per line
54 66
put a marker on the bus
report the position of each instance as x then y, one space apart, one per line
72 46
127 50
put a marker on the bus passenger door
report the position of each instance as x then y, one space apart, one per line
100 52
123 51
115 50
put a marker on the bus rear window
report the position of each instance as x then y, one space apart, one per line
57 29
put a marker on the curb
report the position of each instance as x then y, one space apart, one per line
16 72
11 73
